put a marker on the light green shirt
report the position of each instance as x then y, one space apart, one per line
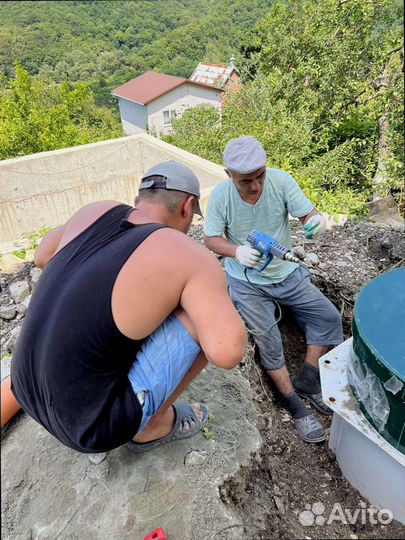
230 216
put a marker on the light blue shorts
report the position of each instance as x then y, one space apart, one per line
161 364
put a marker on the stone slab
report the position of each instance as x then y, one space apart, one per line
50 491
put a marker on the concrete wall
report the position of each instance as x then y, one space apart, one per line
179 99
45 189
134 116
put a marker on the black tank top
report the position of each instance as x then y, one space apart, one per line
71 363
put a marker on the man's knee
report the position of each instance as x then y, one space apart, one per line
332 316
326 311
272 364
332 328
271 358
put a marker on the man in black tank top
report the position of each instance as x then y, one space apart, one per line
128 310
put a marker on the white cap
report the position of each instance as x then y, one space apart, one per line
244 155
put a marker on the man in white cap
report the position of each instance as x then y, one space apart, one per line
256 197
128 310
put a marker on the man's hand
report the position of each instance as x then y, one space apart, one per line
248 256
315 226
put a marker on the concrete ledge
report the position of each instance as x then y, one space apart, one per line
47 188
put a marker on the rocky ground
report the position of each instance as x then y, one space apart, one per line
291 476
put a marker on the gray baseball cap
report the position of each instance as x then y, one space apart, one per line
244 155
175 176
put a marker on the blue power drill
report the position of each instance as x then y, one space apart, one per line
269 247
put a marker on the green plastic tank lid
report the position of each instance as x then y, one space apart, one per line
379 314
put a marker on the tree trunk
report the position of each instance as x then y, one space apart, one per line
380 188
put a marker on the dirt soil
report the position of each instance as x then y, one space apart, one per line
291 476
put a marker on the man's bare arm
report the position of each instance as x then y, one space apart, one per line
220 330
220 245
305 218
48 246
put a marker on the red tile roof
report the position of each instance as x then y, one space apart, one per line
149 86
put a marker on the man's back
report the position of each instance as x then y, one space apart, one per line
70 365
99 296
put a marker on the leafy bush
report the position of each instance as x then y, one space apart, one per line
38 115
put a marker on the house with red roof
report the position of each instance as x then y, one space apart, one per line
151 101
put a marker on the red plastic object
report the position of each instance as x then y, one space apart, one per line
159 534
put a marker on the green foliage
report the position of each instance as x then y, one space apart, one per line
342 60
32 241
193 127
38 115
319 75
207 432
20 253
34 237
342 201
107 43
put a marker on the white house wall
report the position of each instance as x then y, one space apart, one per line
179 99
134 117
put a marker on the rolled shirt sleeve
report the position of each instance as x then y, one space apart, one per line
215 218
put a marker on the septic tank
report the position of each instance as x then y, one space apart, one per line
363 381
376 370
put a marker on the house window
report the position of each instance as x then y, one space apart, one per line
168 117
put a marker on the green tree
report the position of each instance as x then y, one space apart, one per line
343 59
38 115
89 41
199 131
323 87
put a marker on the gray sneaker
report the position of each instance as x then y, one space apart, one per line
310 429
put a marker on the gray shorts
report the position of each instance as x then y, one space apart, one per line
315 314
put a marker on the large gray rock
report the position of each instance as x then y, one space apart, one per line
23 306
299 251
312 259
384 213
19 290
51 491
7 312
12 340
26 301
382 206
35 274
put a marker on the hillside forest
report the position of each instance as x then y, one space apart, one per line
322 82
